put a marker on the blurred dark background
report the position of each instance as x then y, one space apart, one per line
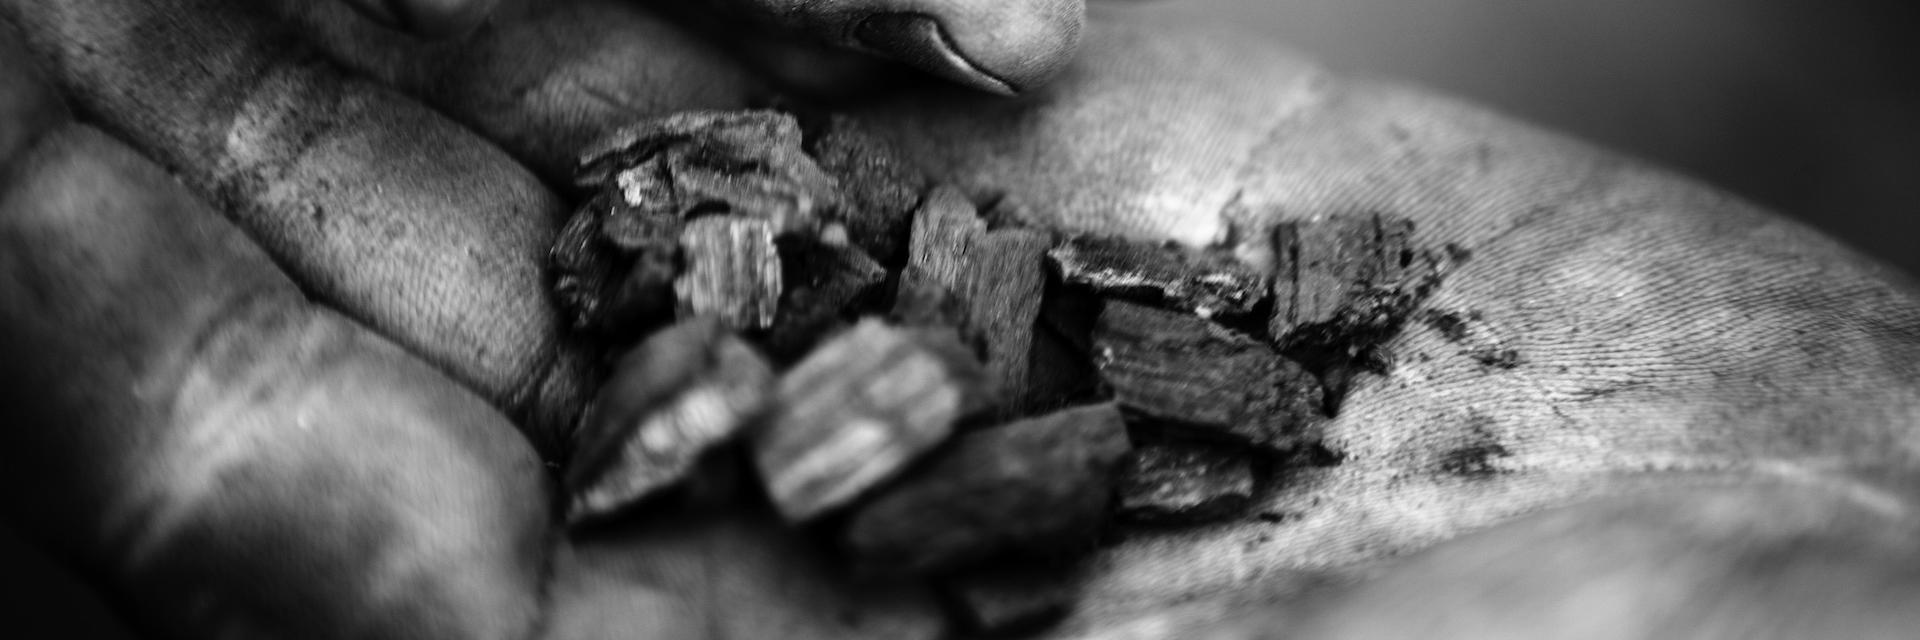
1810 108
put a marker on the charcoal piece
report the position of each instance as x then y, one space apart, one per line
616 257
747 163
1182 482
672 398
1205 283
1059 373
822 283
1003 302
644 299
945 228
610 289
995 281
857 410
1011 597
1036 486
1346 283
732 271
920 301
881 188
1180 371
586 267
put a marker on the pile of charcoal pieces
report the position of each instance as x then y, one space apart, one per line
951 392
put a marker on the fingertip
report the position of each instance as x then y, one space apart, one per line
1003 46
428 18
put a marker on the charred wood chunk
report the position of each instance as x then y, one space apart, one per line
617 257
920 301
1037 486
748 163
823 283
1346 283
1181 371
1011 597
1184 482
944 230
857 410
732 271
1003 302
1204 283
679 394
615 290
881 188
987 283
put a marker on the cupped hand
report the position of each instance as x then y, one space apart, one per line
1736 391
1663 334
198 430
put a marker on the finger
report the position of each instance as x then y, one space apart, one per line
375 204
433 18
546 81
225 457
1790 561
1000 46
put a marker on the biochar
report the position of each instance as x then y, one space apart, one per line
1035 486
686 390
948 394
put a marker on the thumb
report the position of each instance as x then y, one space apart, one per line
1001 46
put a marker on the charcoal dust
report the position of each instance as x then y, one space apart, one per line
1477 453
1467 330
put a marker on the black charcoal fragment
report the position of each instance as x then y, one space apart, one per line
677 395
881 188
1060 371
1035 486
732 271
1184 482
1013 596
857 410
1345 284
823 283
748 163
1204 283
987 283
1180 371
944 230
615 290
616 258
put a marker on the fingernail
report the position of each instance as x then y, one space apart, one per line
919 40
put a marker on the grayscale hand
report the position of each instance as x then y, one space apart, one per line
1704 394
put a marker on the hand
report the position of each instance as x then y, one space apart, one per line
1658 385
1667 339
231 458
